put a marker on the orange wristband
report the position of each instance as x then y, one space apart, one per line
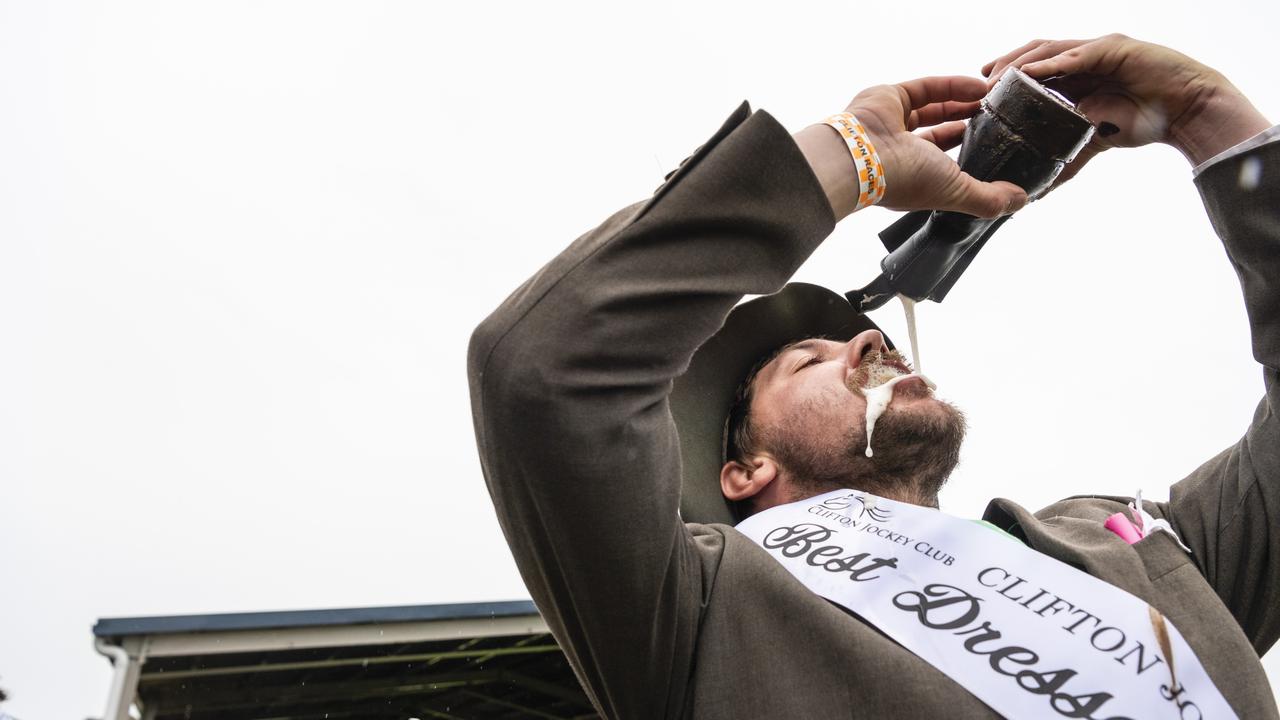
871 181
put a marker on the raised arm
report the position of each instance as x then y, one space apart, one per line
1228 510
570 376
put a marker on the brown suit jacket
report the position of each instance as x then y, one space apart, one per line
663 619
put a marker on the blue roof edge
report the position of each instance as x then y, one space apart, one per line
278 620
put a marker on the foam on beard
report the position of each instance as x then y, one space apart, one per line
875 379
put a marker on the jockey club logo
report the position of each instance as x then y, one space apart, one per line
866 507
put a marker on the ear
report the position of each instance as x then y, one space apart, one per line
739 481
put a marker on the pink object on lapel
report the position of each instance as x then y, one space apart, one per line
1122 526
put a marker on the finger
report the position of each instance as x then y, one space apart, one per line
986 200
941 112
926 91
1009 56
1097 58
1073 87
945 136
1046 51
1040 52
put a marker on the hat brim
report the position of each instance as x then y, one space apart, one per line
702 397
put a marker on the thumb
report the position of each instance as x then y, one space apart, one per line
985 199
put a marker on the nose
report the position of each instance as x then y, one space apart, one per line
867 341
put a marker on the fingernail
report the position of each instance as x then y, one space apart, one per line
1106 129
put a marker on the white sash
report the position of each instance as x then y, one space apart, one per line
1030 636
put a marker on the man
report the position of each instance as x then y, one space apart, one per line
571 381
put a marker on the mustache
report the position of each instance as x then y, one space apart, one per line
876 369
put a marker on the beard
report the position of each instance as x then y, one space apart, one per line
916 446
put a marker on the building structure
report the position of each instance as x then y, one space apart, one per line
449 662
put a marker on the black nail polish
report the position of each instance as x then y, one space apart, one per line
1106 129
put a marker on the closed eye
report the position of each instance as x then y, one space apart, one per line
811 360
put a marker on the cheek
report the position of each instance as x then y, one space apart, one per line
821 411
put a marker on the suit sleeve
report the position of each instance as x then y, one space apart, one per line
1228 510
569 383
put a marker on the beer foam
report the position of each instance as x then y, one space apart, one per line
909 309
879 397
882 378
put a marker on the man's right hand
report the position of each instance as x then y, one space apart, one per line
1138 93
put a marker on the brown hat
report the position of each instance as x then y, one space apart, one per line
702 397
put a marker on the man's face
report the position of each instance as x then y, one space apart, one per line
809 412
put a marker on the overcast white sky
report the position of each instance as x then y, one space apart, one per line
243 244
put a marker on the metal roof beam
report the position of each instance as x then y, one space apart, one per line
239 641
449 706
162 677
277 699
